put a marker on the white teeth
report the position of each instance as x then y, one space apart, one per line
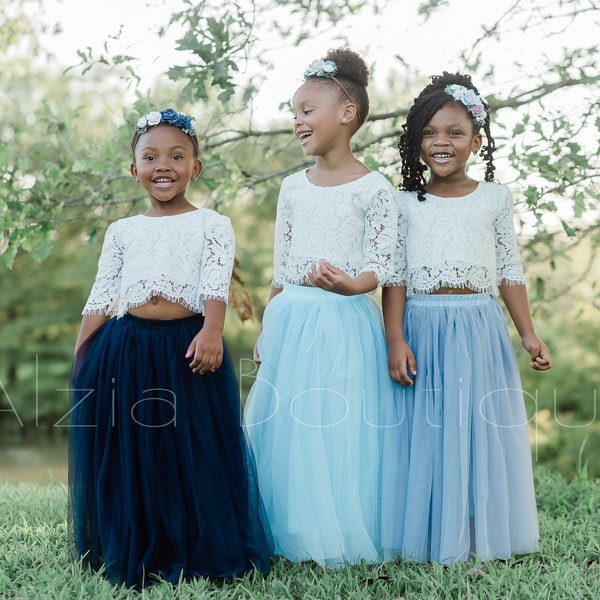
305 134
442 156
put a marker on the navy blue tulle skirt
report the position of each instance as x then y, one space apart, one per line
161 480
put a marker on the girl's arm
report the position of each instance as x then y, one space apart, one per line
218 255
207 346
89 324
515 299
401 360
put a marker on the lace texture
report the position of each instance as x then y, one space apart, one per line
457 242
185 258
352 226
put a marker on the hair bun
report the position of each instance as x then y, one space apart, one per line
349 65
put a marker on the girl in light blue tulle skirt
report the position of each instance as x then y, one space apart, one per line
468 488
316 414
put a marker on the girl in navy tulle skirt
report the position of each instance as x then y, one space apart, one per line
467 488
161 480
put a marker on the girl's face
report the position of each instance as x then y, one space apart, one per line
165 164
319 117
447 142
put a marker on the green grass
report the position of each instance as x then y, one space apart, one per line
34 562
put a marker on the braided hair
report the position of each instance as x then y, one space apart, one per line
425 105
350 81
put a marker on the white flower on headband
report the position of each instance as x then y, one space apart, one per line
320 68
168 116
470 99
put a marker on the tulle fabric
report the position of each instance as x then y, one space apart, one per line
315 420
469 486
161 480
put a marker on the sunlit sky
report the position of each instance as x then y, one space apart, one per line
427 46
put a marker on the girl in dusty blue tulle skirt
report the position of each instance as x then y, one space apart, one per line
467 490
315 415
161 479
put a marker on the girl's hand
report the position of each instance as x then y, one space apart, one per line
401 363
207 351
540 355
255 354
330 278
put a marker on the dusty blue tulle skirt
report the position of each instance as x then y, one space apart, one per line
161 480
315 420
468 487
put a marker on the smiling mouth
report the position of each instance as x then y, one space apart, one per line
162 181
304 136
441 156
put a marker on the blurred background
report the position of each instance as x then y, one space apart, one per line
72 88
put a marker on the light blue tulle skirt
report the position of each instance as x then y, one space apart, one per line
468 490
315 418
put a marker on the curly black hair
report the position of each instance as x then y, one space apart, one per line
350 81
425 105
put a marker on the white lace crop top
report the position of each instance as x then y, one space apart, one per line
352 226
457 242
185 258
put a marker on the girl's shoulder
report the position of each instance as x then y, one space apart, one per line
211 215
295 179
493 188
124 224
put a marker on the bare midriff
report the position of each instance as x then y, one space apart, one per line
449 290
160 308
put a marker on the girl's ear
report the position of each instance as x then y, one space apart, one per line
196 170
134 172
476 144
348 113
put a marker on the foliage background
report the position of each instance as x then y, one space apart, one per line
64 162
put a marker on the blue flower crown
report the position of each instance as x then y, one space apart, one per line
472 102
168 116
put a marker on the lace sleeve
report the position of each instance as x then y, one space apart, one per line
283 238
380 235
104 296
400 274
217 260
508 262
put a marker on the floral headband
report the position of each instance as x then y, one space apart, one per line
320 68
168 116
470 99
325 68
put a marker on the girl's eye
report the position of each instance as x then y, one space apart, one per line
427 133
455 132
307 111
149 157
177 157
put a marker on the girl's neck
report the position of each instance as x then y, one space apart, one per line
329 172
446 188
168 210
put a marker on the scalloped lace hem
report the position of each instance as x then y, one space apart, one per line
123 308
476 287
280 283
